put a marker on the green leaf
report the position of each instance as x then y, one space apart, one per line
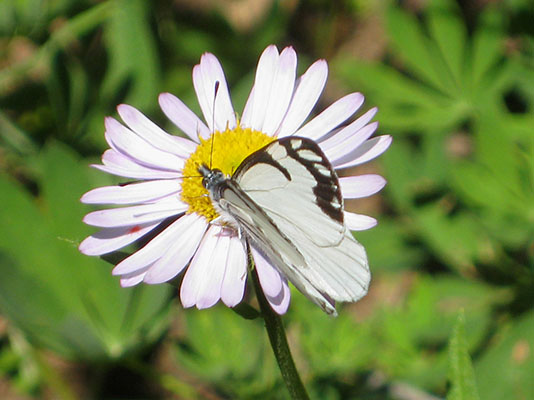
409 337
487 46
505 371
229 351
77 308
405 104
455 239
132 53
449 33
390 234
416 49
461 372
325 341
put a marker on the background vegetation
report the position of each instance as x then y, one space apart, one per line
454 83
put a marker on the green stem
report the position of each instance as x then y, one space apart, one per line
277 337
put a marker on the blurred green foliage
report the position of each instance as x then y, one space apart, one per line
453 83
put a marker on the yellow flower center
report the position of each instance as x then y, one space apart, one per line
224 151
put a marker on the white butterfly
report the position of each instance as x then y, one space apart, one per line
285 200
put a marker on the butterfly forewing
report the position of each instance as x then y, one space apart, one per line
292 179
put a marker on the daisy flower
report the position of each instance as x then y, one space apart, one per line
162 197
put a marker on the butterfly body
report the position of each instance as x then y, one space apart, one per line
286 200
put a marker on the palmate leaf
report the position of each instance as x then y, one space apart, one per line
418 51
461 372
442 78
59 298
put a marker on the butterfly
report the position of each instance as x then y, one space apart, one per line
285 200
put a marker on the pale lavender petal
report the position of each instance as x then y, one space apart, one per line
180 252
134 278
281 91
354 133
203 279
235 277
309 88
111 239
183 117
273 284
355 187
358 222
270 278
119 164
153 134
127 142
155 249
135 215
262 87
367 151
332 117
280 303
132 193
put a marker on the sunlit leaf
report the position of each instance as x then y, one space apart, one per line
461 370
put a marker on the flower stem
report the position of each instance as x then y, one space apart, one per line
277 337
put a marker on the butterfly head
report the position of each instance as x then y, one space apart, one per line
210 177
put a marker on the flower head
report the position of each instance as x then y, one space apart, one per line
168 196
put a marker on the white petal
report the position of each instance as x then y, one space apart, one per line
355 187
132 193
126 142
349 145
367 151
358 222
235 277
309 88
265 73
332 117
247 111
153 134
178 256
354 133
156 248
281 91
111 239
121 165
270 278
205 76
135 215
183 117
203 279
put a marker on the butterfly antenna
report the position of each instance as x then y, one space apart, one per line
217 84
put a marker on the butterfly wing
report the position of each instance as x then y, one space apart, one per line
294 185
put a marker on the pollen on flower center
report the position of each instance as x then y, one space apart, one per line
224 151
